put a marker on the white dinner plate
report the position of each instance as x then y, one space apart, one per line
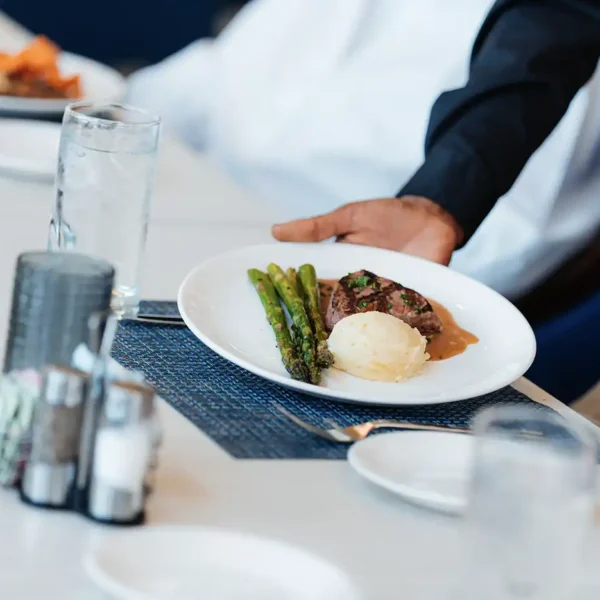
429 469
189 563
29 148
98 82
221 307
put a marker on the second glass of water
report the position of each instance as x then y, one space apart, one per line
531 506
105 183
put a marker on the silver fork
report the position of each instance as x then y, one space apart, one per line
355 433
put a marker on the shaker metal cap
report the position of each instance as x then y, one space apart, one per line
128 402
64 385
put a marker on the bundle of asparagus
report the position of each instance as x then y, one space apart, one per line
304 351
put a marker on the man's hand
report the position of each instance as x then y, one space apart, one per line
409 224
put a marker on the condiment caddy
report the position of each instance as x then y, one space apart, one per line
77 431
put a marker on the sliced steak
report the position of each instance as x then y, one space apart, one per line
364 291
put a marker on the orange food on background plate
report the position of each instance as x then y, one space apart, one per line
34 73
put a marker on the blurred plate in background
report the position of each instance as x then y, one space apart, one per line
29 148
98 82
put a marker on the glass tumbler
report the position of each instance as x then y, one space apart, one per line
105 182
530 507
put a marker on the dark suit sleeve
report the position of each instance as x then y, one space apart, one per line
529 60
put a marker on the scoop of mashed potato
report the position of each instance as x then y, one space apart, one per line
377 346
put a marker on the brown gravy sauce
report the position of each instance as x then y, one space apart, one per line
452 341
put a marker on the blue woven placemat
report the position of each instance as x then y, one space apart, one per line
235 408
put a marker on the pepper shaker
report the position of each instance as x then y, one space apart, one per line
50 470
122 453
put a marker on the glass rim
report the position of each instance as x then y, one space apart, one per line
514 412
73 111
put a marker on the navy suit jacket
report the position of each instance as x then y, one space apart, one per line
529 60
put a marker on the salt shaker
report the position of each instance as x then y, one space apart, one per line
122 454
50 470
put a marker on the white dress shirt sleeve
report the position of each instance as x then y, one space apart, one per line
179 90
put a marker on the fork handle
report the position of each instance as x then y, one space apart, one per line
417 427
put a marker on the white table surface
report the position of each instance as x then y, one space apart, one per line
391 549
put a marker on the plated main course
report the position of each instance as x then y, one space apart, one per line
366 325
34 73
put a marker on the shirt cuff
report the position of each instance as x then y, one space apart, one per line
459 182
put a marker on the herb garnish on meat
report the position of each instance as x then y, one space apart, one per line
406 300
360 282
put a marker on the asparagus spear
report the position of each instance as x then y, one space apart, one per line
295 307
307 276
292 275
296 335
276 317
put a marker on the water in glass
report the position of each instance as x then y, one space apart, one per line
104 187
531 506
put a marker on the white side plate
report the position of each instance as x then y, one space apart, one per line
221 307
189 563
426 468
429 469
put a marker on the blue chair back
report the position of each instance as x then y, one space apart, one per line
117 30
567 364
